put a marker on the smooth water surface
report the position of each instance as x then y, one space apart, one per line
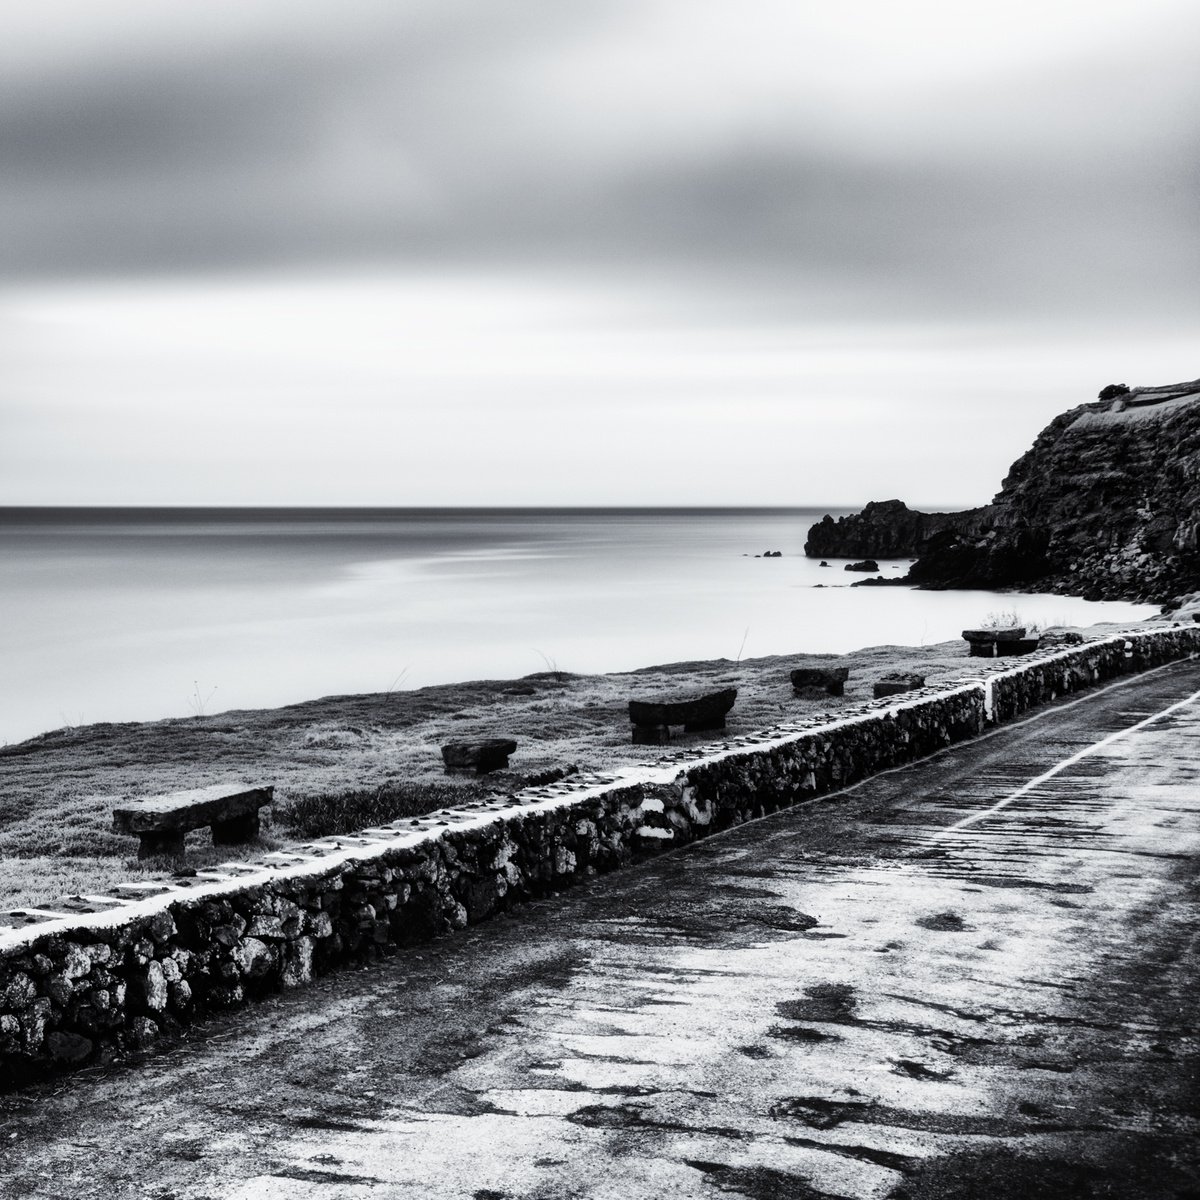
110 615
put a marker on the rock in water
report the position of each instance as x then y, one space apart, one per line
1106 504
867 564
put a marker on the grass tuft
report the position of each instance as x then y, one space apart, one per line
1005 619
324 814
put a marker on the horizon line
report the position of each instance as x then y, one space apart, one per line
388 508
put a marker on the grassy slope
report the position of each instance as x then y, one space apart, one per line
57 791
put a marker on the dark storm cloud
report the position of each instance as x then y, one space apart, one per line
989 232
155 121
276 151
457 137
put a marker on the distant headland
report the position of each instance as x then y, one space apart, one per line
1105 505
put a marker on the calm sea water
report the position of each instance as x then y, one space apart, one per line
109 615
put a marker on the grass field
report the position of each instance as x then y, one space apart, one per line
346 762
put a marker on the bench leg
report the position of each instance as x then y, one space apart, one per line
483 765
168 844
496 761
651 735
235 830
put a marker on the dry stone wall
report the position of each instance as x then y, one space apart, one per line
1050 674
91 988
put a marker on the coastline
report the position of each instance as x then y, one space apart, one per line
60 787
181 617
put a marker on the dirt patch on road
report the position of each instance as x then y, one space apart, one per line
944 922
834 1002
1130 1169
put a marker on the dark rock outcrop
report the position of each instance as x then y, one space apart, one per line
1106 504
884 529
881 581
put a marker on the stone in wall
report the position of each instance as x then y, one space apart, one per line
1061 672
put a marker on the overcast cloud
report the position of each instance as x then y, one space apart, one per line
668 178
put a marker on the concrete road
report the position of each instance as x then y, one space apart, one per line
974 977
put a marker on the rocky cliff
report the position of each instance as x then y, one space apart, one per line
886 529
1106 504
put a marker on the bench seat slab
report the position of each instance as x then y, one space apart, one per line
182 811
717 721
652 719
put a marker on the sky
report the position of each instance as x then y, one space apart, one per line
678 252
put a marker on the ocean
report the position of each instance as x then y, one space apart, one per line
135 614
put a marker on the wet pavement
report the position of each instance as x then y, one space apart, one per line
973 977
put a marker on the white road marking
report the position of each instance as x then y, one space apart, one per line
1044 711
1066 763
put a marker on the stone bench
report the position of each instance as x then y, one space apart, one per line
1018 646
652 719
989 643
813 682
231 810
482 756
893 685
